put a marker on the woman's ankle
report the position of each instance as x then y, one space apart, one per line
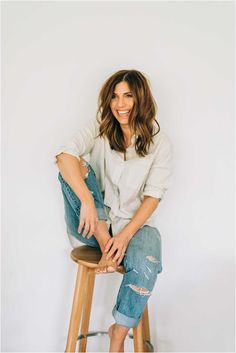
116 343
102 234
120 332
102 243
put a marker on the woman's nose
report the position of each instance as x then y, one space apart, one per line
120 102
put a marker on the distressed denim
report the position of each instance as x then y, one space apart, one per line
142 260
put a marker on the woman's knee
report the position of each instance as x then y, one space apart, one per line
83 164
144 251
94 188
146 240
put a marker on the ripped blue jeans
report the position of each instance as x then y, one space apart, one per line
142 260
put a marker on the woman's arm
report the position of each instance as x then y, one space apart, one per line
70 170
69 167
120 242
68 160
144 211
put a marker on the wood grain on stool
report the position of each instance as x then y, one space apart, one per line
77 307
87 259
146 328
87 309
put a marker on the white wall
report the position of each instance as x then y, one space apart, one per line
56 56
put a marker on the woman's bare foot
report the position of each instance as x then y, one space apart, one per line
110 332
106 266
103 236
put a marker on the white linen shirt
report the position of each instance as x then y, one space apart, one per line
124 182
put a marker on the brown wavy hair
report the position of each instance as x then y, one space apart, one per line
142 116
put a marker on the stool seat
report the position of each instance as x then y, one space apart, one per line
86 254
87 259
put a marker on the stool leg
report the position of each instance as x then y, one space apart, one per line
138 337
146 329
87 309
77 306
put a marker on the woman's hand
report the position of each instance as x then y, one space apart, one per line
118 244
88 218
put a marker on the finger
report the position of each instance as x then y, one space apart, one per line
111 252
117 255
109 244
86 229
92 230
95 226
120 259
81 224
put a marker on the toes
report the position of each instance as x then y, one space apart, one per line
105 269
98 270
101 270
110 269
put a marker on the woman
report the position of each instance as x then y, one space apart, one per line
111 201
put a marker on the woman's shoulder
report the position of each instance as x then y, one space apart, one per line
162 136
91 126
160 140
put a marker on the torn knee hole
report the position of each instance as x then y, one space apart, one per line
84 168
141 291
152 259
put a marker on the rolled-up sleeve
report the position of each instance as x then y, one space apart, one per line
81 143
159 178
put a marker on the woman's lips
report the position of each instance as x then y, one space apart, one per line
123 113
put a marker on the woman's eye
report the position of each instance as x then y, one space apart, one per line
127 95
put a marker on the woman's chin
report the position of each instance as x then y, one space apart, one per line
123 120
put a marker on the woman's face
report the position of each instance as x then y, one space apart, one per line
122 102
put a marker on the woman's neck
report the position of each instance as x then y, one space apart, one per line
127 135
126 132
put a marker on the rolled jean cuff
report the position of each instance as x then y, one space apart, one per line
124 320
101 214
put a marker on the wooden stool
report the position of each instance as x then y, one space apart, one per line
87 259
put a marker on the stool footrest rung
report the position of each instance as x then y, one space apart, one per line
148 344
